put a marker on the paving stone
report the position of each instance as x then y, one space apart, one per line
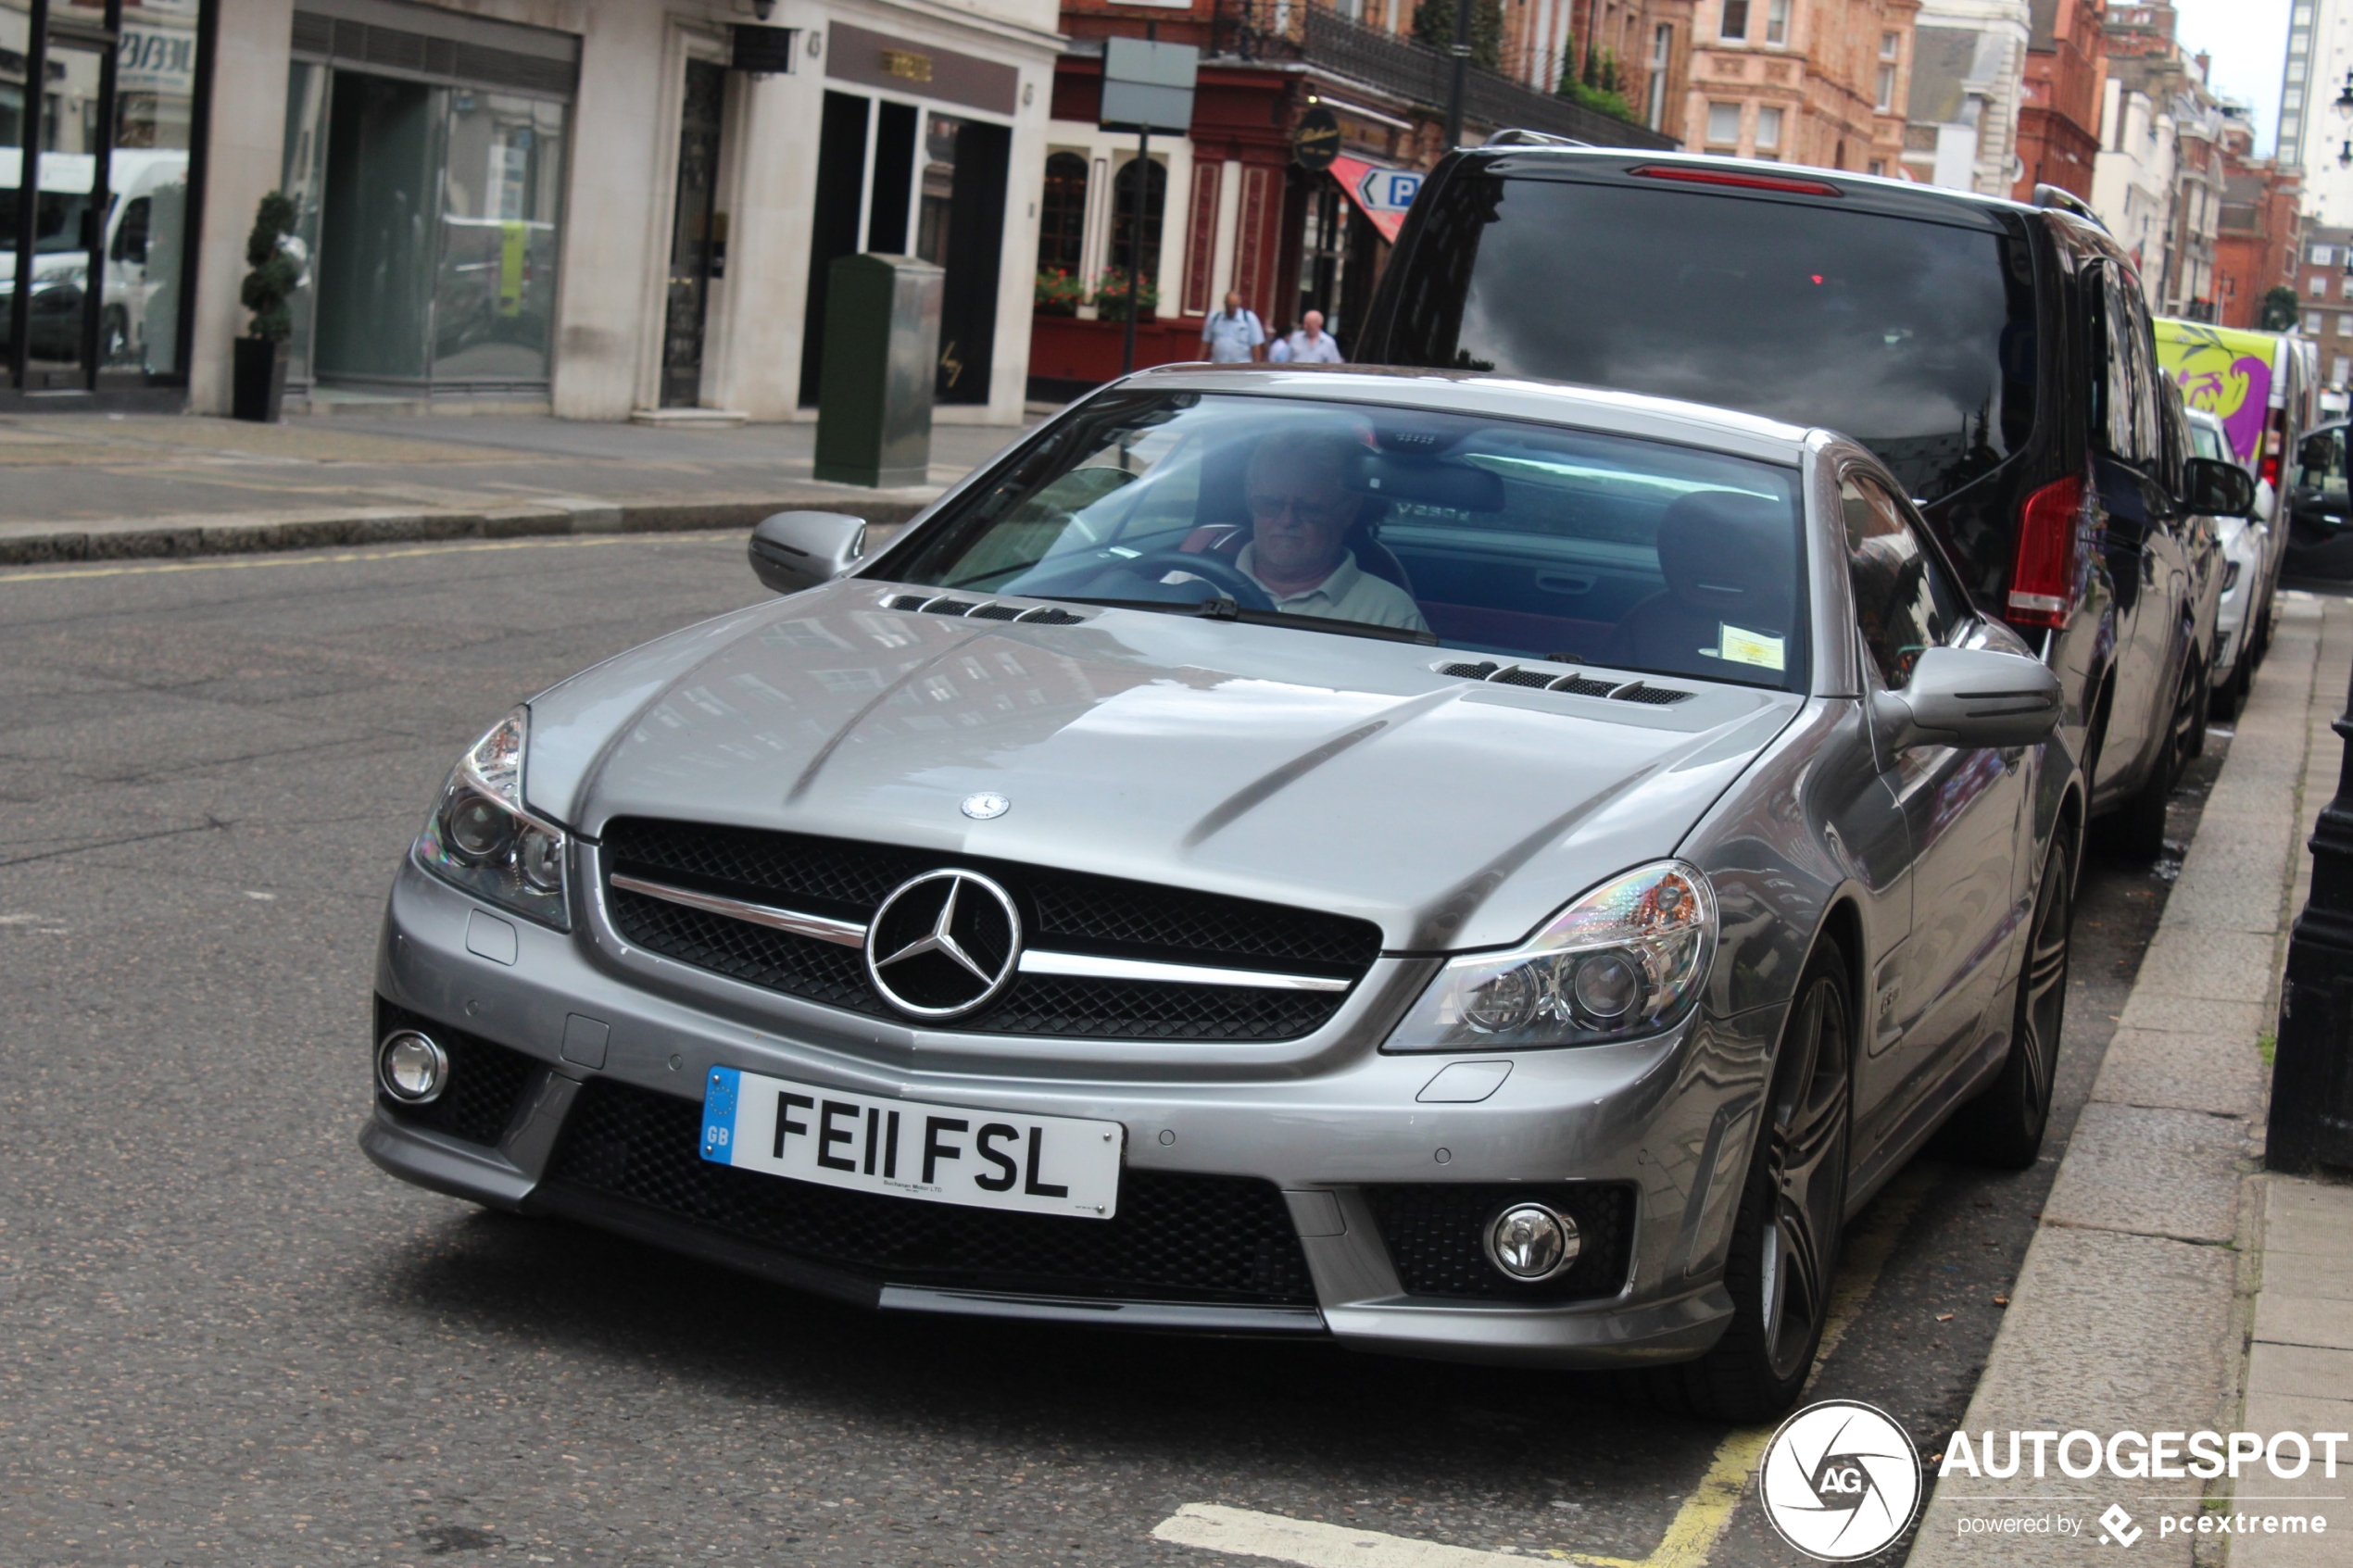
2307 1371
2228 966
2075 1352
2324 1276
2155 1068
2195 1015
2313 1320
2152 1172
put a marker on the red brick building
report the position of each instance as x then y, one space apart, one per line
2059 118
2260 232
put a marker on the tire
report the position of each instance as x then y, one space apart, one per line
1785 1237
2002 1127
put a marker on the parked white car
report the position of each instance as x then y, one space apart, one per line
2249 549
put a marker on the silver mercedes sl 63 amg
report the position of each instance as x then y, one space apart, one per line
1466 867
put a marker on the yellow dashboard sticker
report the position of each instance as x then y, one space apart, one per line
1742 646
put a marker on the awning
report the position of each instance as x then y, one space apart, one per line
1380 193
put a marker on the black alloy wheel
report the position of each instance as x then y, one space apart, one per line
2002 1126
1785 1240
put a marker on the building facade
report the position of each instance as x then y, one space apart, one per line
2134 181
2316 120
2324 300
1233 204
604 208
2258 234
2144 60
2058 121
1815 82
1968 71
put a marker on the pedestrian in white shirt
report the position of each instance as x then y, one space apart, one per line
1311 345
1233 334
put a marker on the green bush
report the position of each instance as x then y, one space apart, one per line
1434 26
275 275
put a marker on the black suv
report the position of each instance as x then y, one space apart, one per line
1997 356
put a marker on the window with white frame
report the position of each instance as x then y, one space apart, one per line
1886 89
1735 20
1889 42
2317 286
1768 131
1723 125
2337 374
1662 50
1776 22
2323 256
2345 326
2313 323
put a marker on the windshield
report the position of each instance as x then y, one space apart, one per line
1915 338
2207 442
1497 537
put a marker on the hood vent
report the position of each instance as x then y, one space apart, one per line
1573 684
990 609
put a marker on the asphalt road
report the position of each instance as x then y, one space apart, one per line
226 1338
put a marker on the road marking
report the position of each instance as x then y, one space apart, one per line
1691 1535
374 553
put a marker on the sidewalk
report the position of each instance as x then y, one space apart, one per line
86 486
2174 1286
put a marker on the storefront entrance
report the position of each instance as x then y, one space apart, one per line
100 246
923 179
426 155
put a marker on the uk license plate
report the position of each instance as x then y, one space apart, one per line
909 1148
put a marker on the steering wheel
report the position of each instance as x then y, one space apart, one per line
1225 577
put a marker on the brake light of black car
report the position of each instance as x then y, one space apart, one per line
2046 578
1734 176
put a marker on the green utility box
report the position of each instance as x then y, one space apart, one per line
882 353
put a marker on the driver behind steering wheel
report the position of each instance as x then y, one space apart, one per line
1301 511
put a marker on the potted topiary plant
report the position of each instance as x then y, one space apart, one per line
261 353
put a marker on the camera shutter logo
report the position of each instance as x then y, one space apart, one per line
1840 1480
943 945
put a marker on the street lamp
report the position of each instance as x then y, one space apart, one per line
2312 1117
2345 94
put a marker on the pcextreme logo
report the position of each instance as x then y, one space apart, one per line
1840 1480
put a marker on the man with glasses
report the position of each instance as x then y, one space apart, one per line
1301 511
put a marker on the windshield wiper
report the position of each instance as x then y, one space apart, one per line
1223 608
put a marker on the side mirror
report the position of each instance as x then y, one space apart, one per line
797 550
2214 488
1973 697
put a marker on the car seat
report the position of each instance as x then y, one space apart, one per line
1728 561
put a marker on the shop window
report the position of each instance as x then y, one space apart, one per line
1153 177
1062 213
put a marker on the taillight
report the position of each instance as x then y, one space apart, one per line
2274 443
2046 579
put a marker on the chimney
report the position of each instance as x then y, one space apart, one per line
2204 60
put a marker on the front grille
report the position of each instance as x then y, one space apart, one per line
1434 1232
486 1081
1066 910
1175 1238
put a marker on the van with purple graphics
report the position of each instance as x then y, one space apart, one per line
1996 356
2257 388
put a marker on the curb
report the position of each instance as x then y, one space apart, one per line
47 545
2128 1310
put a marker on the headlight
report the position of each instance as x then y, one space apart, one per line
480 838
1625 961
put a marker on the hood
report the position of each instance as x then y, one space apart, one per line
1301 768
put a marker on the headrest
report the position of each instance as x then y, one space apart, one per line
1730 555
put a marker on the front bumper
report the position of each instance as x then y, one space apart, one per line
1668 1121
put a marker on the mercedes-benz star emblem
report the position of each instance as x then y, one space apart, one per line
986 808
944 944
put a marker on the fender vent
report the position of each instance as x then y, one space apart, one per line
1573 682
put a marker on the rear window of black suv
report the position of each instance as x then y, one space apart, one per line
1917 338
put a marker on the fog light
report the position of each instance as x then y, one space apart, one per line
412 1068
1528 1242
